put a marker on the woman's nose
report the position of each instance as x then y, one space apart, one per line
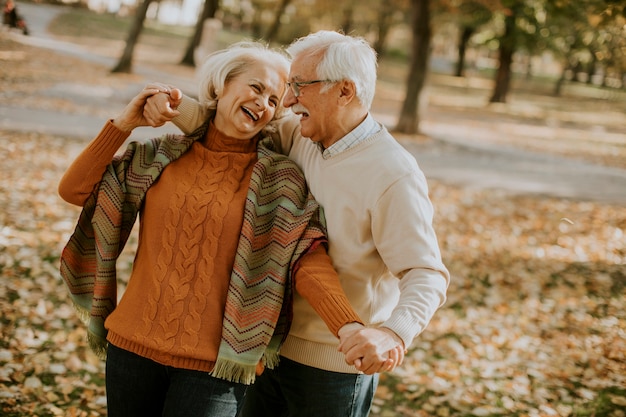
262 102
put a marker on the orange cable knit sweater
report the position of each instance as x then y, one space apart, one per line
172 309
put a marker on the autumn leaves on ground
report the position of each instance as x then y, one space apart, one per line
535 323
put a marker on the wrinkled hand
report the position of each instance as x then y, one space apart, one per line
371 350
160 108
132 115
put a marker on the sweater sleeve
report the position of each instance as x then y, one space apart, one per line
317 281
86 171
409 247
191 115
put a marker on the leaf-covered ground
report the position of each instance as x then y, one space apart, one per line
535 323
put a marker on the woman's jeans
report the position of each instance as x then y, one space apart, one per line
296 390
138 387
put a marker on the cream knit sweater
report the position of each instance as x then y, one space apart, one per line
381 239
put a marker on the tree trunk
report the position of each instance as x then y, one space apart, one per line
464 38
503 76
558 87
208 11
273 30
347 19
421 32
125 63
256 24
591 67
385 15
507 49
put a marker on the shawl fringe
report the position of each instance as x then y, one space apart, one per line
234 372
243 373
97 344
271 359
83 314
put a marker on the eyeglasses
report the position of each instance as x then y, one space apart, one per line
296 86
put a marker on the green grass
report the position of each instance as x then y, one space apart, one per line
604 405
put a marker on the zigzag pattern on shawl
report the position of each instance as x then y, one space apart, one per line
105 223
282 222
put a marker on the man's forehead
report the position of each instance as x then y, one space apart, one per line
303 67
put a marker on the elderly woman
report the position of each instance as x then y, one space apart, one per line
227 230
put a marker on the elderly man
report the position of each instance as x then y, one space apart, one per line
381 238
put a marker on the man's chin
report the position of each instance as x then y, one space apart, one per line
304 132
312 139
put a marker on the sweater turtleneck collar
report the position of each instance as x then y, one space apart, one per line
217 141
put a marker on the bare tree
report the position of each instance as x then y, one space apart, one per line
125 63
385 21
272 32
464 37
472 15
421 33
347 19
208 11
257 22
506 51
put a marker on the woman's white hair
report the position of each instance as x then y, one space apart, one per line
222 66
345 58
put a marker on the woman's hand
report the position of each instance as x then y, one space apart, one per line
133 114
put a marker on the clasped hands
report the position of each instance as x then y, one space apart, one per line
371 349
154 106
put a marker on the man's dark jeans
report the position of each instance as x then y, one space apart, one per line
296 390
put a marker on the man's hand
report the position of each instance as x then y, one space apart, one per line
371 350
132 115
160 108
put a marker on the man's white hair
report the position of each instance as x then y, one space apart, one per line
344 58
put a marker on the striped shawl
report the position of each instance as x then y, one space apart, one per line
281 223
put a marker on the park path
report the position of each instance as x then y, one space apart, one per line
446 157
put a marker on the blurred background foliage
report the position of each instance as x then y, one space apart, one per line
587 36
580 41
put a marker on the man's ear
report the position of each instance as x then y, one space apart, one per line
347 91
